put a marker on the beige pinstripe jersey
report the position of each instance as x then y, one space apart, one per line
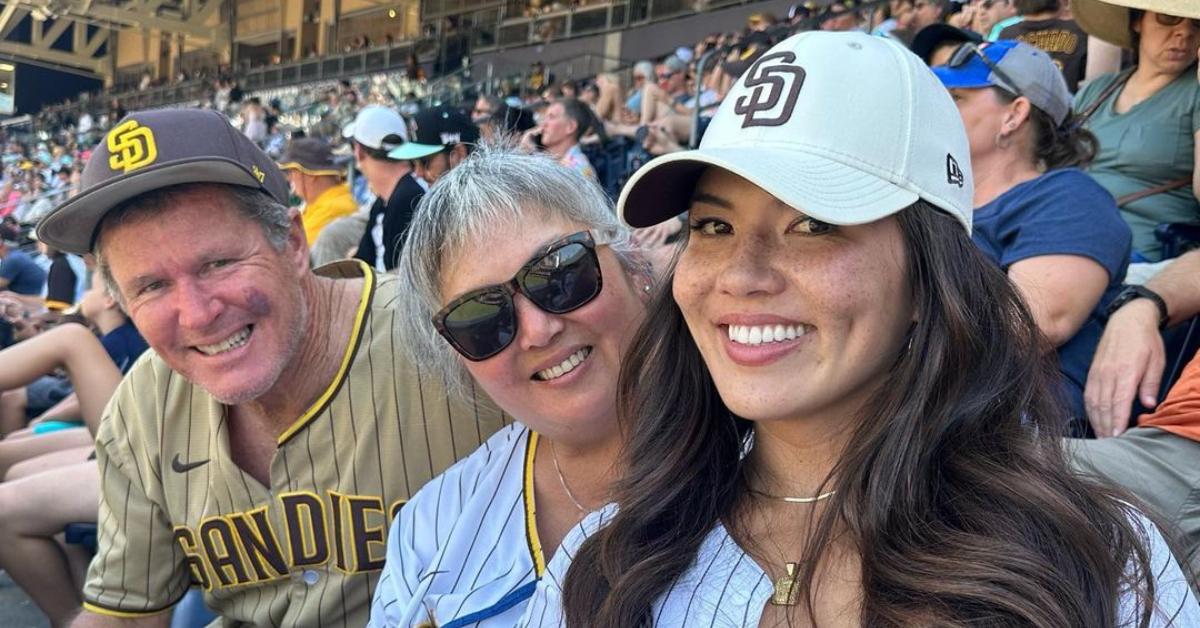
306 551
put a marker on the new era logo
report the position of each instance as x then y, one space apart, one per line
771 84
954 174
131 146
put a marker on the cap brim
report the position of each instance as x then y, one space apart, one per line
959 79
309 170
348 131
413 150
820 187
71 227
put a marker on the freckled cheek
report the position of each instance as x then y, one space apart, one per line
693 280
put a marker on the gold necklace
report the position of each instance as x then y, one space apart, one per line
794 500
785 586
562 480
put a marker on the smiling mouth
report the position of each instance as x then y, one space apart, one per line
236 340
566 366
764 334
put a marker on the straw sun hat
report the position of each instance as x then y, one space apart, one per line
1109 20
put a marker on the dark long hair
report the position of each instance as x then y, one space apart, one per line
1066 145
953 487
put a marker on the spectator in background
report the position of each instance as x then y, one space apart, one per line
18 272
61 280
444 137
1063 39
1053 230
926 12
375 131
840 16
989 13
936 43
1147 118
563 123
254 120
1155 460
643 75
317 180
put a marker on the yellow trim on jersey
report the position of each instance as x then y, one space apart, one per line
100 610
348 357
52 304
531 533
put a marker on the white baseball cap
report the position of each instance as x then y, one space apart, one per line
846 127
378 127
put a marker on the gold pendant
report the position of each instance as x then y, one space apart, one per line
785 588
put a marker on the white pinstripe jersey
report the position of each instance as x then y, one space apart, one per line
724 587
305 551
465 551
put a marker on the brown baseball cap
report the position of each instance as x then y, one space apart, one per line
150 150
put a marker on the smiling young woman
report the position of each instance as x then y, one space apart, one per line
841 414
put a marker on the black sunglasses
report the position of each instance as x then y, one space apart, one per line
562 278
962 56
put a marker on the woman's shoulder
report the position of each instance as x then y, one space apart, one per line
1092 90
500 452
1064 190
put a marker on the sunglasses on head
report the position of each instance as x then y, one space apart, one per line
962 56
1174 20
564 277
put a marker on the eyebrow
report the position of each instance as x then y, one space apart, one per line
711 199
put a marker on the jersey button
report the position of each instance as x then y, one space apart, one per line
310 577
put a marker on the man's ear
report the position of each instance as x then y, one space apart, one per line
297 242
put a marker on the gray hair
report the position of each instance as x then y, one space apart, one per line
273 217
644 68
496 187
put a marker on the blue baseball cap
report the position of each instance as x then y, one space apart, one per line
1015 67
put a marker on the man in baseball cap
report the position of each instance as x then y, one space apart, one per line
316 177
374 133
444 137
273 408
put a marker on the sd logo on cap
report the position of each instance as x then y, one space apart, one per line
150 150
131 147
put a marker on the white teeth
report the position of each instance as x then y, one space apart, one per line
231 342
758 335
566 366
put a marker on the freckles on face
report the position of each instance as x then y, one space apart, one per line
794 318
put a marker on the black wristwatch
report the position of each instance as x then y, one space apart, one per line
1129 293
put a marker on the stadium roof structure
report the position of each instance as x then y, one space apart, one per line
74 33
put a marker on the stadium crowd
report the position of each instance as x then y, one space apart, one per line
1080 196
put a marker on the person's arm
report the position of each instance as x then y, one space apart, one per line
1195 169
1130 357
1061 292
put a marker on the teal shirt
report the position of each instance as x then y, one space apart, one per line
1152 143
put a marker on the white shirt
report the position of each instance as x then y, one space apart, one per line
465 551
725 587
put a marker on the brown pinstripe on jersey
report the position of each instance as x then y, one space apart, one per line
176 512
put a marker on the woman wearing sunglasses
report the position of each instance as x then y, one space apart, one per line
1147 118
524 284
839 414
1049 226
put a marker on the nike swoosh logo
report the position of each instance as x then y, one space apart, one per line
179 466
